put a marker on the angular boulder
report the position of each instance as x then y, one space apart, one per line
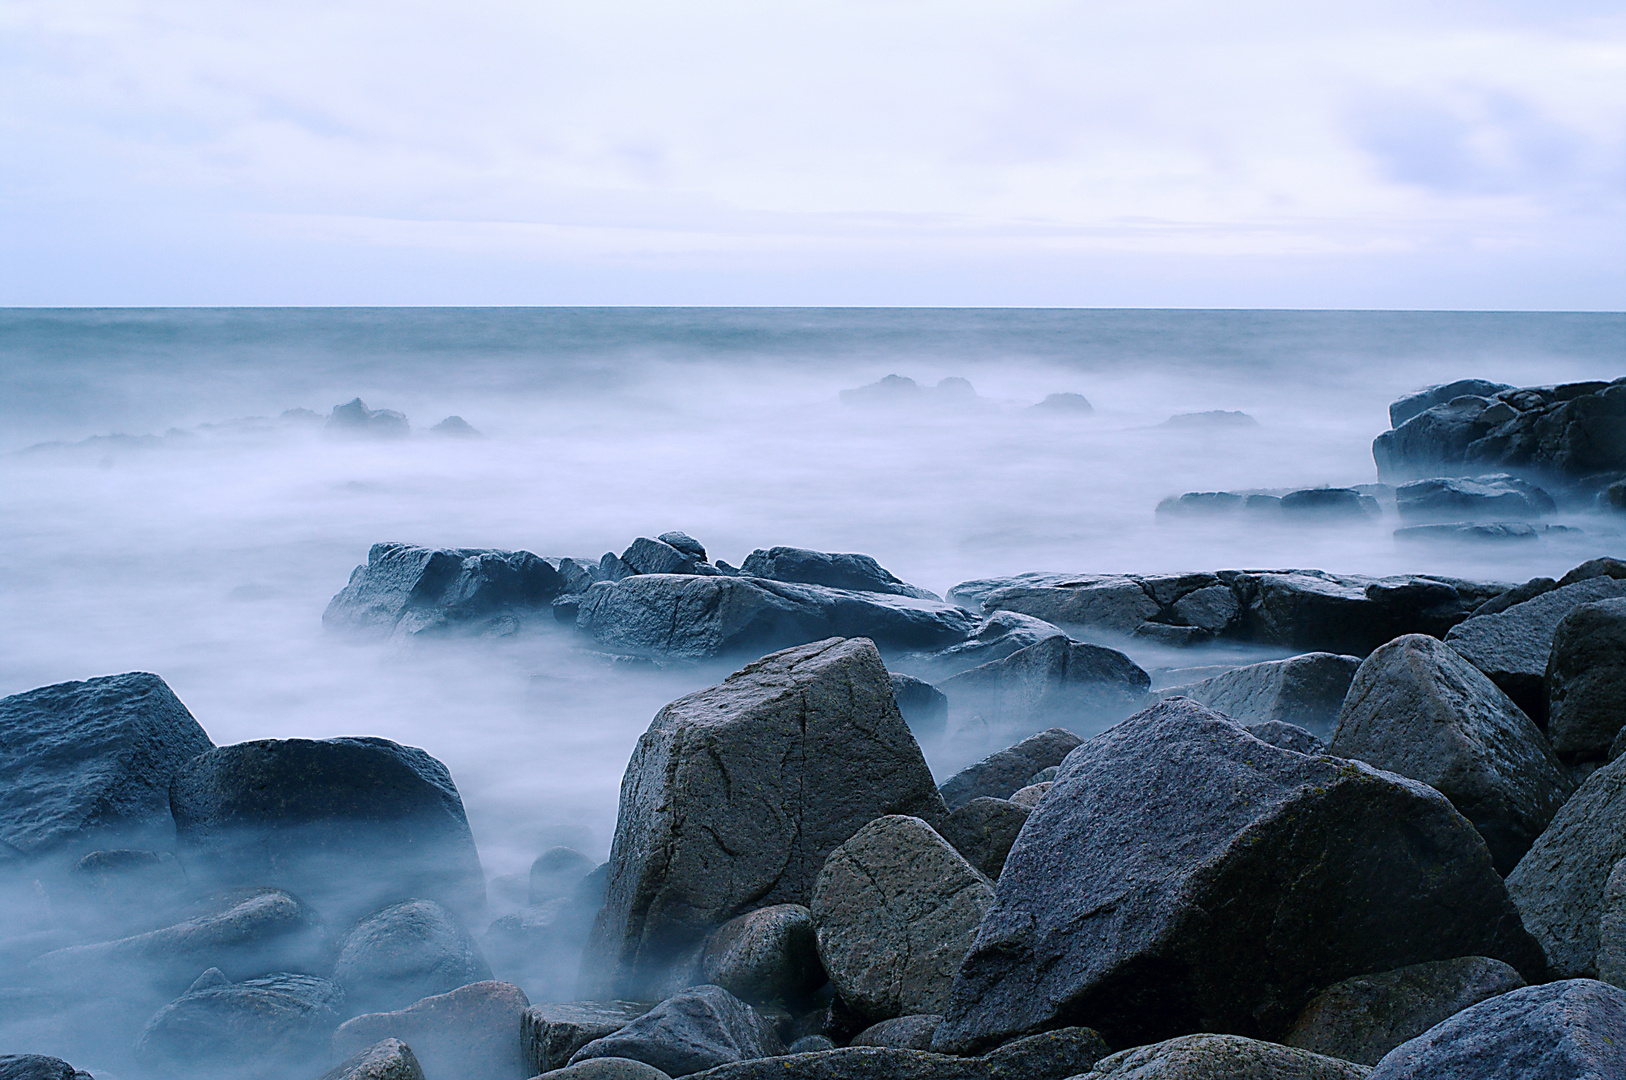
390 1059
1306 691
1328 504
1325 869
1496 497
646 556
698 1029
1222 1057
259 1027
472 1033
770 955
735 796
1435 442
553 1033
404 953
984 829
407 589
1056 680
1586 681
837 571
1428 397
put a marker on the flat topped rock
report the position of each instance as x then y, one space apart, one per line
837 571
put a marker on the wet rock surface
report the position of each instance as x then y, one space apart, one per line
1495 497
984 829
1306 691
1586 680
552 1033
767 955
913 1032
471 1033
407 589
696 1030
855 1063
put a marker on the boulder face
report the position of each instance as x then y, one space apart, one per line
390 1059
406 589
997 636
260 1027
1430 396
471 1033
1497 497
698 1029
408 951
1305 691
1418 709
767 955
1586 680
735 796
1325 869
88 764
837 571
1221 1057
1056 680
1004 772
984 829
552 1033
38 1067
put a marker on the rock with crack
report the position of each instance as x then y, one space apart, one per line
404 589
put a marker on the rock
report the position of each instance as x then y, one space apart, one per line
557 872
764 956
1512 646
472 1033
998 636
1329 504
1027 798
1611 962
88 764
1201 504
684 616
1110 602
1363 1018
1073 404
854 1063
1435 441
455 427
1049 1055
262 1027
924 706
1212 420
1569 1030
552 1033
1305 690
406 952
38 1067
647 556
1516 595
984 829
121 892
698 1029
900 1033
1496 497
575 575
810 1044
892 390
1000 774
349 824
737 793
1471 532
854 572
541 945
1325 868
1222 1057
404 589
1288 737
895 909
610 1068
1559 884
390 1059
1056 680
354 420
1586 680
1428 397
1418 709
1595 568
684 543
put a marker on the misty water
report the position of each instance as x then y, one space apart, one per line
208 555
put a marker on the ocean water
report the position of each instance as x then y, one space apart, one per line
208 555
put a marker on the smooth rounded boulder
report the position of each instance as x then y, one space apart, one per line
1586 681
698 1029
1324 868
767 955
1221 1057
38 1067
406 952
259 1027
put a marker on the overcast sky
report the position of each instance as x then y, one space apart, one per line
1165 153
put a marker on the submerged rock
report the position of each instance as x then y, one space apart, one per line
1212 420
406 589
354 420
1496 497
1057 679
260 1027
455 427
471 1033
1328 504
1222 1057
997 636
1470 532
406 952
837 571
698 1029
1306 691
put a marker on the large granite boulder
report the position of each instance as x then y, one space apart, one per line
895 909
681 615
1497 497
406 952
1569 1030
770 955
1306 691
1004 772
552 1033
88 764
924 706
1324 868
349 824
698 1029
1435 442
1056 681
1428 397
471 1033
984 829
1586 680
735 796
858 572
390 1059
407 589
262 1027
1222 1057
1418 709
1512 646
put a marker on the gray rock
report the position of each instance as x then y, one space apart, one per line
472 1033
552 1033
698 1029
1071 404
855 1063
1114 602
557 872
38 1067
1306 691
1496 497
737 793
984 829
1326 869
1428 397
912 1032
1513 645
837 571
1516 595
1056 680
1027 798
390 1059
1497 532
1435 441
891 391
540 946
1611 963
1000 774
575 575
349 824
406 952
1222 1057
455 427
1363 1018
810 1044
1212 420
1595 568
895 909
685 543
647 556
406 589
261 1027
354 420
609 1068
924 706
1329 504
1288 737
86 763
1569 1030
120 892
764 956
998 635
971 594
1418 709
1586 681
681 615
1201 504
1049 1055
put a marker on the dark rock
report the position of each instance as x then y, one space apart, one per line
1497 497
1363 1018
261 1027
1000 774
1418 709
1412 404
895 909
892 390
610 1068
472 1033
999 635
1340 504
684 543
900 1033
924 706
1075 404
1595 568
38 1067
698 1029
390 1059
737 793
1516 595
1586 680
855 1063
1288 737
575 575
1325 868
1611 962
85 763
1436 440
406 952
1212 420
406 589
1471 532
554 1032
1569 1030
1200 504
647 556
764 956
349 824
355 420
984 829
456 427
1262 504
1057 679
1222 1057
557 872
122 892
611 568
1512 646
837 571
810 1044
1049 1055
1110 602
1304 691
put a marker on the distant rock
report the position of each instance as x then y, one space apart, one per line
1212 420
557 872
390 1059
552 1033
836 571
1056 680
1495 497
1586 680
924 706
408 951
1305 690
1428 397
892 390
698 1029
646 556
471 1033
1499 532
1000 774
1328 504
404 589
1221 1057
456 427
1064 403
541 944
1200 504
354 420
259 1028
684 543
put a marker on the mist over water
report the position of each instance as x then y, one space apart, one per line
208 557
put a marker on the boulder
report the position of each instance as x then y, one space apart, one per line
406 952
1512 646
891 391
1328 504
681 615
924 706
390 1059
1516 595
1287 736
1435 441
88 764
1066 404
1496 497
1418 709
900 1033
1363 1018
349 824
1200 504
810 1044
735 796
1212 420
1430 396
405 589
1595 568
553 1033
1056 680
540 945
895 909
1586 680
1611 962
1497 532
854 1063
837 571
764 956
1305 690
261 1027
610 1068
1000 774
38 1067
472 1033
998 635
120 892
1325 869
1115 602
1569 1030
1049 1055
984 829
557 872
354 420
698 1029
455 427
647 556
684 543
1222 1057
1027 798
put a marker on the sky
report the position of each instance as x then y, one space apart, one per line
1154 153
